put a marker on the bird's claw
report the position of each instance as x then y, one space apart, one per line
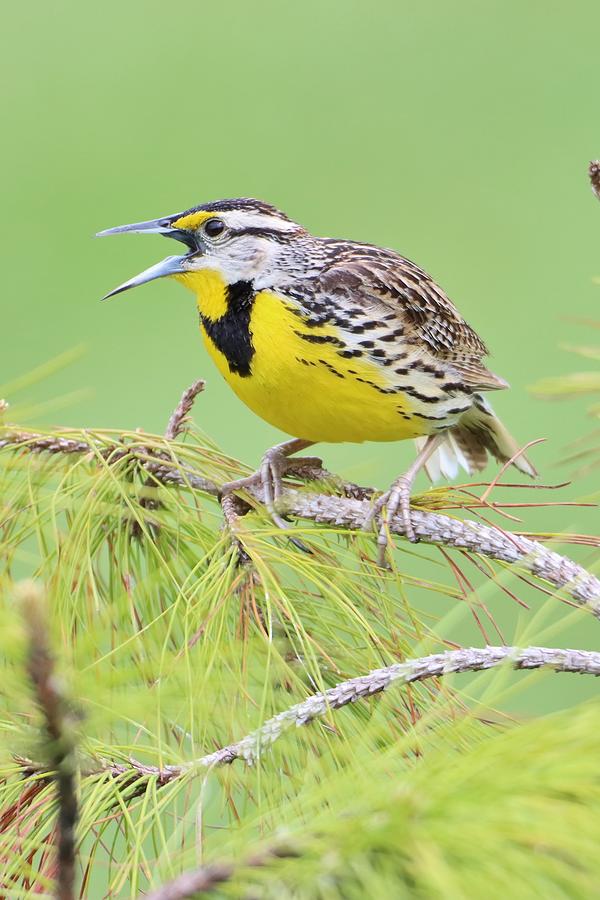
269 476
272 469
383 510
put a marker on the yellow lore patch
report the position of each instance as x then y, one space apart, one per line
193 220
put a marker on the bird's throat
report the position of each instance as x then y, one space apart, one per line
210 289
225 313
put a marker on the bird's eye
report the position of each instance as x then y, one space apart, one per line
213 227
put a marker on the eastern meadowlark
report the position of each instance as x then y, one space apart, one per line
333 340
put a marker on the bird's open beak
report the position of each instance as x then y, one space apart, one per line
172 265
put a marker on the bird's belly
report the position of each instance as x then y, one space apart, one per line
301 382
314 403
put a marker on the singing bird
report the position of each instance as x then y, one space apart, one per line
333 340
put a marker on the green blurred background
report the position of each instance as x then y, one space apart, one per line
458 133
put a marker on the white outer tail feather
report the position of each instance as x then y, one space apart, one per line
478 433
447 460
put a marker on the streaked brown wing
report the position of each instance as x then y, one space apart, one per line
374 277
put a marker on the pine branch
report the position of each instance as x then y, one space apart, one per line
349 512
250 748
40 666
162 462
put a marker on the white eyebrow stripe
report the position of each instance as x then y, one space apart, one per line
239 219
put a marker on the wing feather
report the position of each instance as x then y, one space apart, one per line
364 275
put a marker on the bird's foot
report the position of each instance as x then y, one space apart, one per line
397 499
269 476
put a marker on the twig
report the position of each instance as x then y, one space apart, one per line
351 512
174 428
585 662
198 881
594 172
250 748
183 408
40 666
520 452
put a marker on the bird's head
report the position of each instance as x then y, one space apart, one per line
240 239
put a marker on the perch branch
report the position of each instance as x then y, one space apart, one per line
40 666
350 512
250 748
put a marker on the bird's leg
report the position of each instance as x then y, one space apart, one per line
398 499
269 476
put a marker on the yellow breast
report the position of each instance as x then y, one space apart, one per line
302 385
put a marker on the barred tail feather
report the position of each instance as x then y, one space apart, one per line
478 433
